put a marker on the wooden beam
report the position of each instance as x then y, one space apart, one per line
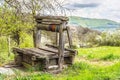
61 47
47 64
57 39
48 27
71 50
63 18
69 36
38 38
48 50
49 21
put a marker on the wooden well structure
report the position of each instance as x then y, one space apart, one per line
52 57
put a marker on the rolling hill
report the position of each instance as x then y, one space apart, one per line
97 24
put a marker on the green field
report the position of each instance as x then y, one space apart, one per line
100 53
99 63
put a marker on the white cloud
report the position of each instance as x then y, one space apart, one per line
107 9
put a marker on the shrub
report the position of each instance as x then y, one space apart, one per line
110 38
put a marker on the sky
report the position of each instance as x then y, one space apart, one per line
103 9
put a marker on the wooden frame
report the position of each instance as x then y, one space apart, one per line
43 23
53 54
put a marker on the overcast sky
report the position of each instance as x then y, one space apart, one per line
104 9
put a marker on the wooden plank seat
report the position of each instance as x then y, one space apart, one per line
40 52
46 57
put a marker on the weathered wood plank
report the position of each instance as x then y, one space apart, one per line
71 50
56 23
37 38
28 52
53 28
53 50
47 63
48 50
69 36
61 47
57 39
39 53
63 18
49 22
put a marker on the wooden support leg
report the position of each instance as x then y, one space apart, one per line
37 38
47 64
61 47
18 59
57 39
69 37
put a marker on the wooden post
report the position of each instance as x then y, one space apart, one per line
69 36
47 64
57 39
37 38
61 47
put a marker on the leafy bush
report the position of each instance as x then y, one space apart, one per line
105 39
111 38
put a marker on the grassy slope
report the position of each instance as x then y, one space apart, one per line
83 70
88 22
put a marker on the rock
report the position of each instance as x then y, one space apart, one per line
6 71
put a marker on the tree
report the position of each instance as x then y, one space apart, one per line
34 7
12 24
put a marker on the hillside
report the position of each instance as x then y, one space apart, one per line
98 24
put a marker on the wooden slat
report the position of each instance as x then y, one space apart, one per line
45 27
71 50
53 50
28 52
49 22
48 50
52 17
41 52
55 23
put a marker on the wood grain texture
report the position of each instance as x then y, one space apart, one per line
61 47
63 18
69 36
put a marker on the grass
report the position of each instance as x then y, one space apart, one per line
4 58
79 70
100 53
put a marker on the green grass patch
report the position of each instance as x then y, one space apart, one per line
100 53
4 51
79 71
